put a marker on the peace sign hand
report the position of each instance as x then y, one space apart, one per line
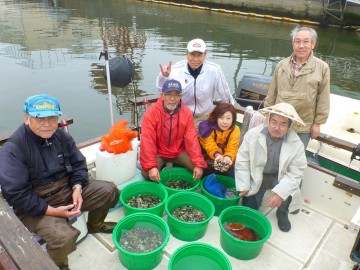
165 70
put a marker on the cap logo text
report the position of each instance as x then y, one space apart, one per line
45 105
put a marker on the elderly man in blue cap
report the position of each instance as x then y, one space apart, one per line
44 177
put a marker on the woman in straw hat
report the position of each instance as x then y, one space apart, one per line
272 156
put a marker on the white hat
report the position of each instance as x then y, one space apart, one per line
196 45
286 110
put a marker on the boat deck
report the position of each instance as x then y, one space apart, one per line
316 241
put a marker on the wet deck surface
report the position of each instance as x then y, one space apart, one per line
316 241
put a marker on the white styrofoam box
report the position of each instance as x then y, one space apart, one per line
117 168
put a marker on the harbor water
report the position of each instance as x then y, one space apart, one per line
54 46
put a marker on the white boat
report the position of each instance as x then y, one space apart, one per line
323 233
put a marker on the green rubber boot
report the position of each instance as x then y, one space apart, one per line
96 223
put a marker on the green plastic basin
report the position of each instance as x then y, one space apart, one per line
188 231
198 256
141 261
143 187
221 203
240 249
176 173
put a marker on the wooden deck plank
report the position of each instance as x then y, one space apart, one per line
19 243
5 262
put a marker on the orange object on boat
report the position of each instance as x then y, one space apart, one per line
119 139
241 232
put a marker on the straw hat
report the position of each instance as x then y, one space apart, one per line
286 110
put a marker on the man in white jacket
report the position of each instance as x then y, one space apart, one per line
272 157
199 79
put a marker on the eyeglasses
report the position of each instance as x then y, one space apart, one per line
305 43
274 124
168 95
42 120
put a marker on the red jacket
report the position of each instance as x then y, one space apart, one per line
168 135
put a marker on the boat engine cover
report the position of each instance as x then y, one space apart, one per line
252 90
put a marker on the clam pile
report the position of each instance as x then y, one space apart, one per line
143 201
178 184
221 166
140 240
188 214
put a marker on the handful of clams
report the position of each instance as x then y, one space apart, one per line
221 166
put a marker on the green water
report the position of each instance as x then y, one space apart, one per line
198 262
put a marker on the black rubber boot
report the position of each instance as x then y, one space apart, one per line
64 267
96 222
282 215
295 212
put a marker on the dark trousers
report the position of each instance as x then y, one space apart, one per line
254 201
58 233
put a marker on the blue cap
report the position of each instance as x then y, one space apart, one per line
42 106
171 85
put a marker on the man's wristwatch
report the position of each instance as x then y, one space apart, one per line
77 186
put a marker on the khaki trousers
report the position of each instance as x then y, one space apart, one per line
183 160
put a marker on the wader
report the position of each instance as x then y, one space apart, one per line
57 232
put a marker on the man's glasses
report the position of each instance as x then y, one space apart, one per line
42 120
305 43
274 124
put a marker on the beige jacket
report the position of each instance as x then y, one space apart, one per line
309 92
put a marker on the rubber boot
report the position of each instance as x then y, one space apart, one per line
96 222
295 212
64 267
282 215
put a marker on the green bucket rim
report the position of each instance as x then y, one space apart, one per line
208 247
138 217
145 182
253 211
182 171
193 194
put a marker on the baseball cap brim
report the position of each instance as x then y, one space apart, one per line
45 114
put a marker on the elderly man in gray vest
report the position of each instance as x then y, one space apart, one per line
272 157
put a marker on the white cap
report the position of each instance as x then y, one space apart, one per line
196 45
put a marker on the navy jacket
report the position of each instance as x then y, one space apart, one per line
48 160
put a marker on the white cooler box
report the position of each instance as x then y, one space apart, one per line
117 168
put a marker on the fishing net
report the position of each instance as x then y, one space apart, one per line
214 187
119 139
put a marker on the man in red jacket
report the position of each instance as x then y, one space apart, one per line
168 135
